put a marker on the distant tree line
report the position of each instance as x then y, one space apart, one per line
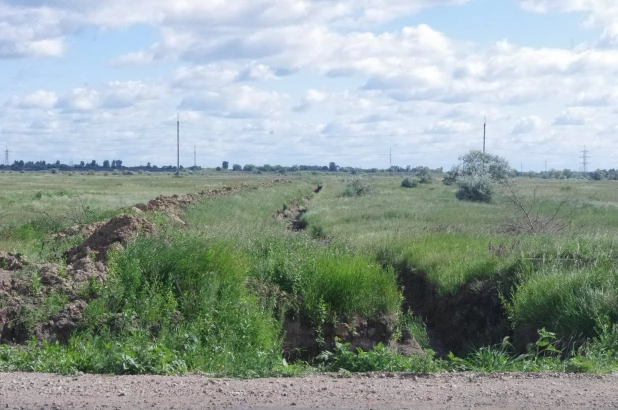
117 165
114 165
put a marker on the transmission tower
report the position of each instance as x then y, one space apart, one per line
585 158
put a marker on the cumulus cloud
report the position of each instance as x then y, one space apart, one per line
235 102
40 99
527 125
571 116
448 127
115 95
311 97
233 65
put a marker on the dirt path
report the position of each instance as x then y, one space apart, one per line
368 391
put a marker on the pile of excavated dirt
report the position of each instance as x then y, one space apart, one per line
83 230
115 231
23 293
24 287
11 261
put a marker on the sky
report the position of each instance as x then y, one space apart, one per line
310 81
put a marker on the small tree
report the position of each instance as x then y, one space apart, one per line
236 167
332 167
477 174
424 175
409 183
475 188
225 165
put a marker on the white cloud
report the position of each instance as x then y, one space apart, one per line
235 102
527 125
114 95
40 99
311 97
319 68
571 116
448 127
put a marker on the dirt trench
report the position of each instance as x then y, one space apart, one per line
471 318
304 341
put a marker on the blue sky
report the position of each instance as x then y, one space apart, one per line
310 81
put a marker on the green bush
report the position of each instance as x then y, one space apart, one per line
475 188
343 359
410 183
424 175
357 187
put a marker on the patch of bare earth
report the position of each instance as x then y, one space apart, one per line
359 392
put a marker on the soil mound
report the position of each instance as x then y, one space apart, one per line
116 231
11 261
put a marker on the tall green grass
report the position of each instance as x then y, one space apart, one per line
328 281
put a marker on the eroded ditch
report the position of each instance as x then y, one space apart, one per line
471 318
304 340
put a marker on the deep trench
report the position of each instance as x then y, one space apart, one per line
471 318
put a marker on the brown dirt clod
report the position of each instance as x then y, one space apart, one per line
117 230
11 261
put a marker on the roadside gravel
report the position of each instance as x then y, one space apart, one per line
359 392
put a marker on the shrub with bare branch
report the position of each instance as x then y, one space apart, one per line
535 214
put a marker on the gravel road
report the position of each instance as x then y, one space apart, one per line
366 391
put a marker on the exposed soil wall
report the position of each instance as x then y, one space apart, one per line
473 317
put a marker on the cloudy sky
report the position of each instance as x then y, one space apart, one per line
310 81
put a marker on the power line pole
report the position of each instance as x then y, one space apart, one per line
484 132
546 167
585 159
6 156
195 155
390 156
178 145
522 168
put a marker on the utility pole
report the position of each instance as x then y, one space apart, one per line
546 167
484 132
390 156
522 168
195 155
585 159
6 156
178 145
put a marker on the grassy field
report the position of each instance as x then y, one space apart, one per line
220 288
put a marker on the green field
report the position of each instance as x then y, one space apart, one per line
217 293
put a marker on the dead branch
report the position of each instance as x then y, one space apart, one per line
529 213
